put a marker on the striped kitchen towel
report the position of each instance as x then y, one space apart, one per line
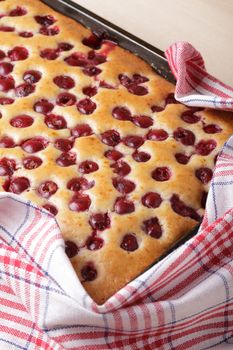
195 86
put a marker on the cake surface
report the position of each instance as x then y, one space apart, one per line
92 134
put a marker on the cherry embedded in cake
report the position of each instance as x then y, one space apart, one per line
152 227
71 248
81 130
161 174
7 166
22 121
99 221
32 76
6 68
80 202
94 243
78 184
51 209
129 242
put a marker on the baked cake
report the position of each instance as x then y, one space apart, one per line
92 134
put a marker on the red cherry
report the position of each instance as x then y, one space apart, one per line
90 91
170 99
86 106
205 147
65 46
99 221
65 99
76 59
47 189
152 227
32 76
92 71
51 31
204 175
66 159
79 184
18 53
94 243
96 58
88 167
43 106
18 11
71 249
182 209
121 168
6 68
212 129
6 83
133 141
64 82
34 144
123 186
110 137
2 55
6 101
151 200
141 156
81 130
123 206
45 20
142 121
129 242
93 41
80 202
24 90
186 137
190 117
4 28
51 209
113 154
161 174
139 79
105 85
7 166
7 142
22 121
137 89
157 135
31 162
26 34
49 54
18 185
124 80
182 158
55 121
63 145
157 108
89 272
121 113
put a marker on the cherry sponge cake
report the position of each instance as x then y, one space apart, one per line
92 134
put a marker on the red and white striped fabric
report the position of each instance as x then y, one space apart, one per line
183 302
195 86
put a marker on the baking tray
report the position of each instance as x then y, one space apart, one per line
147 52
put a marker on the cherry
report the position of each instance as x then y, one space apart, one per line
105 85
49 54
182 158
45 20
182 209
94 243
141 156
49 31
65 46
161 174
89 272
157 135
99 221
34 144
151 200
76 59
47 189
137 89
88 166
18 11
24 90
81 130
71 249
113 154
6 68
139 79
7 166
18 185
79 184
6 100
66 159
26 34
6 83
204 175
170 99
190 117
204 199
64 82
121 168
212 129
50 208
110 137
121 113
6 29
43 106
123 186
65 99
123 206
124 80
86 106
186 137
32 76
90 91
133 141
2 55
152 227
63 145
80 202
22 121
55 121
96 58
142 121
157 109
7 142
31 162
93 41
205 147
129 242
92 71
18 53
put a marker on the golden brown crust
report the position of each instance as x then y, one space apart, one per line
115 266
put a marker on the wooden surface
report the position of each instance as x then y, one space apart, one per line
207 24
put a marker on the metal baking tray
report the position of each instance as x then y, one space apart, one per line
147 52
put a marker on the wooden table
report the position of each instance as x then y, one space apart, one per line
207 24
